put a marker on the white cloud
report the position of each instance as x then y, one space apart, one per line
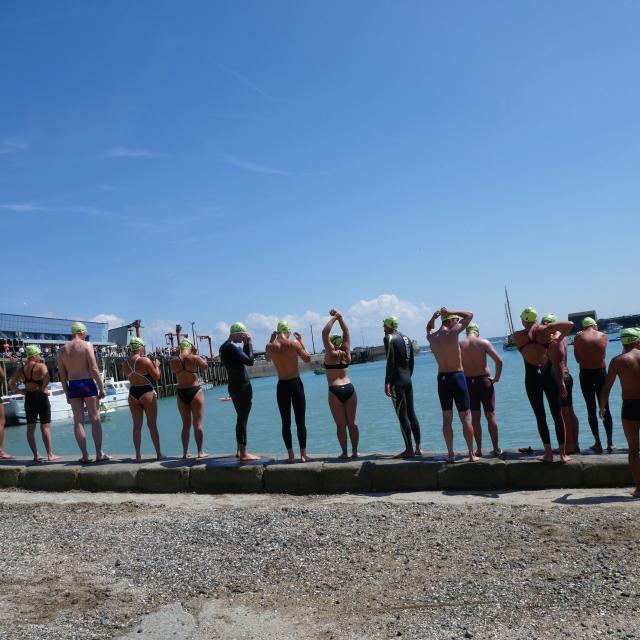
368 313
110 318
128 152
252 166
23 207
12 145
260 321
155 332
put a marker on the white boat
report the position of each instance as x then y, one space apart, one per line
118 389
60 408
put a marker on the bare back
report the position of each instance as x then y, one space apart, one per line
474 356
284 355
77 361
590 349
186 369
627 367
445 348
558 354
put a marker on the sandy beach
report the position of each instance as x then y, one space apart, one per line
413 565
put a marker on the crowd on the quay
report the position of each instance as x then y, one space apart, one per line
463 379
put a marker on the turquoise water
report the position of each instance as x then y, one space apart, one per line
379 430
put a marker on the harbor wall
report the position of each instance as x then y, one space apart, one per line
325 474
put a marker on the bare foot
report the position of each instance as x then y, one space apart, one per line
546 458
407 453
497 452
160 457
186 455
103 458
343 456
451 459
304 458
38 458
5 456
564 458
479 453
84 460
51 457
202 454
137 459
291 459
238 454
247 457
596 448
355 454
611 447
418 450
473 458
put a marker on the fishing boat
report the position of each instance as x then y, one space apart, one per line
117 391
320 371
507 342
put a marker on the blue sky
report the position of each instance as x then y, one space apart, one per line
222 161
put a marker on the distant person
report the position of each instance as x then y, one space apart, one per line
343 400
474 351
236 360
3 454
83 386
190 397
452 384
590 351
35 375
141 372
540 377
398 385
284 354
558 356
626 366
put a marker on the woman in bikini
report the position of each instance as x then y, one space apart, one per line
342 396
540 377
141 372
185 366
35 375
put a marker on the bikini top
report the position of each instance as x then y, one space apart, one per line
142 375
340 365
31 380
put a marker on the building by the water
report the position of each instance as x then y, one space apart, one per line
17 330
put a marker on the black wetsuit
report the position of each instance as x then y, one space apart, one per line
236 361
291 393
399 371
591 383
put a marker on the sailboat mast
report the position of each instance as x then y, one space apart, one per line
509 311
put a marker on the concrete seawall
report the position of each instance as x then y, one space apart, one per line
325 474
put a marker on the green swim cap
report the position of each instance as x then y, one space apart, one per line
283 327
549 319
237 327
629 336
135 344
32 350
529 314
392 322
472 328
186 344
336 340
78 327
589 322
450 316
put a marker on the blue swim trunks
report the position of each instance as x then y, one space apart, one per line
82 388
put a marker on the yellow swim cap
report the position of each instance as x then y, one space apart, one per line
186 344
529 314
336 340
630 336
589 322
549 319
135 344
472 328
450 316
32 350
78 327
392 322
283 327
237 327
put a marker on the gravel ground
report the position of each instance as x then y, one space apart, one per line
424 565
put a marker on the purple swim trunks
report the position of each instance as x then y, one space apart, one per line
82 388
481 393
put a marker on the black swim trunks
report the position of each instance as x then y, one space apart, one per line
568 384
631 410
452 386
36 405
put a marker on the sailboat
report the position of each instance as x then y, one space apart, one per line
507 342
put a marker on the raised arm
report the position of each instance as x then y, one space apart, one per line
493 354
465 318
547 330
606 387
431 325
301 349
271 347
346 336
326 330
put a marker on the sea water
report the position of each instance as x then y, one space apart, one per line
379 429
